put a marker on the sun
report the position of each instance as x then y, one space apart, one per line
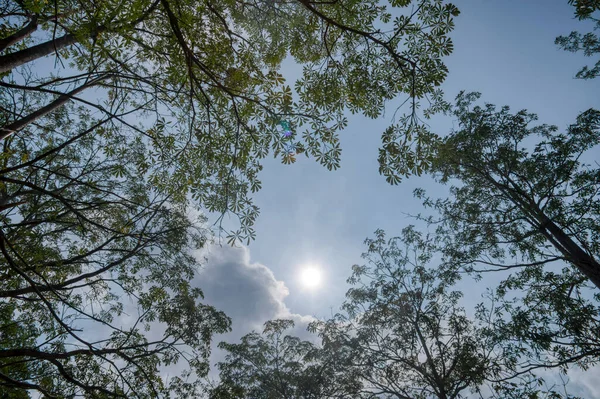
311 277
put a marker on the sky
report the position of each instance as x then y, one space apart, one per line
503 49
311 216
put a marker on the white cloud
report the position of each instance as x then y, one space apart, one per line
249 293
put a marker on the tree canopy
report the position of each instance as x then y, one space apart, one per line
128 126
276 365
519 192
587 43
524 200
402 334
205 77
91 261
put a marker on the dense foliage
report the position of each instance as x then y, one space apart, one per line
524 200
275 365
200 84
90 264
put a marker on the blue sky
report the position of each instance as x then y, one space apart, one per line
504 49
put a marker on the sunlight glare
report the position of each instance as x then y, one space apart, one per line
310 277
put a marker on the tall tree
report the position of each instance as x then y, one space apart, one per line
275 365
409 338
405 335
524 200
588 43
518 191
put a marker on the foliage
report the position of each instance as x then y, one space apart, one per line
588 43
404 332
155 110
523 200
405 335
519 193
274 365
551 320
205 78
95 268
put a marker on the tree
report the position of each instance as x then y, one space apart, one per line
522 193
523 200
82 235
551 320
405 336
588 43
274 365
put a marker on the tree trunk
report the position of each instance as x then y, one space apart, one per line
17 125
13 60
584 262
20 34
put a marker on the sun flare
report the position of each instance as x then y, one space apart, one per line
310 277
